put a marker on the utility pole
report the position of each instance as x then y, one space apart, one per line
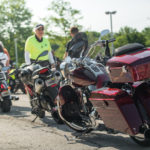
16 51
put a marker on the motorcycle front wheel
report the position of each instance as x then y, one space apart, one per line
6 105
81 124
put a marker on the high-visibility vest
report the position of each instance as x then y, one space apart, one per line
11 74
35 48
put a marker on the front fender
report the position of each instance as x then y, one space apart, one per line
68 94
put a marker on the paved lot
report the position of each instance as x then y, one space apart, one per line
17 132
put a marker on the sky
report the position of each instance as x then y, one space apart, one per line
132 13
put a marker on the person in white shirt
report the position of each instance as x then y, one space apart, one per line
3 56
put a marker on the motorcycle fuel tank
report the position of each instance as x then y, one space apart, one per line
91 75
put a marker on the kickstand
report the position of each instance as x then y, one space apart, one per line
35 118
69 139
76 135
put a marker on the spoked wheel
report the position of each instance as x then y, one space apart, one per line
75 110
84 124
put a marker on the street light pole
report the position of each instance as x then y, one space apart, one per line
111 25
16 52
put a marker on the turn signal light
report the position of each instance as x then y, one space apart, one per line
2 86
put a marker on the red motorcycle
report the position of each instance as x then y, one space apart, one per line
124 104
124 101
81 75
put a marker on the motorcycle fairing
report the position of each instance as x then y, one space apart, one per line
70 108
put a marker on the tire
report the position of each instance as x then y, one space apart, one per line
56 117
78 128
23 90
41 114
22 87
6 105
37 111
84 130
12 85
141 141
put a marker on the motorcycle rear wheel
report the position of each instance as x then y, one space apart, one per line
23 90
141 141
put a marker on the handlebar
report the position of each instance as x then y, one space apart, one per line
101 42
111 40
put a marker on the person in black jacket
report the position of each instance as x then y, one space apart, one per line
78 44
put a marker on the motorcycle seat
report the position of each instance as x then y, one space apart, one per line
128 48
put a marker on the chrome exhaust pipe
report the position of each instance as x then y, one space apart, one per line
39 84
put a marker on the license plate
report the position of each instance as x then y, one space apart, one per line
1 76
50 82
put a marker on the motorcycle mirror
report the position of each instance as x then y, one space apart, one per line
67 59
103 33
42 54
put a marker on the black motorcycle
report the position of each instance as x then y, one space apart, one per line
5 97
41 84
15 82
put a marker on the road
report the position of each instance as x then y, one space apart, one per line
18 132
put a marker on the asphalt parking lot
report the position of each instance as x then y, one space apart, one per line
18 132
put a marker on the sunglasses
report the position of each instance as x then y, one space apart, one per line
41 29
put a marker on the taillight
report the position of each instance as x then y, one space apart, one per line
43 71
9 87
2 86
53 85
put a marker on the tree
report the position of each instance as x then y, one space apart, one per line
128 35
146 34
62 16
15 20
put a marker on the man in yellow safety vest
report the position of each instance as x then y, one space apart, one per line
35 45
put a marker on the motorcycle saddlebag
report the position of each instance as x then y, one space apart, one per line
117 110
129 67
